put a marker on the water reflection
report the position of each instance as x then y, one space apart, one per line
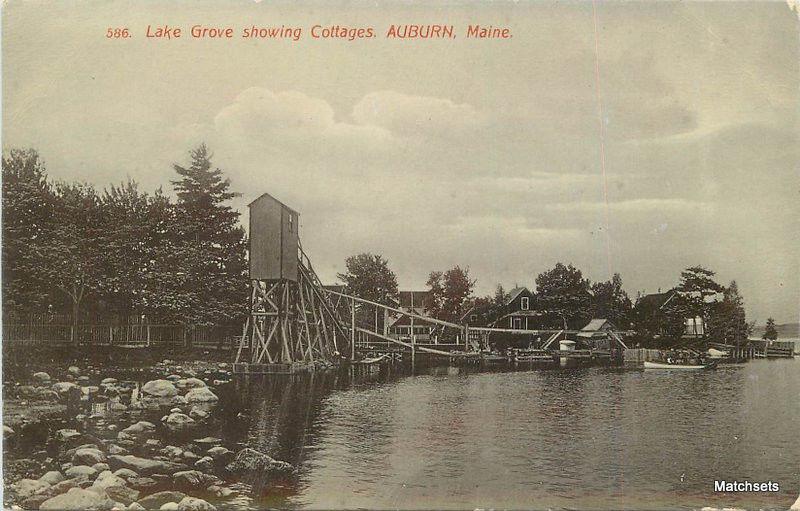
560 438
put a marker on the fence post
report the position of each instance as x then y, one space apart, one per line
148 334
110 335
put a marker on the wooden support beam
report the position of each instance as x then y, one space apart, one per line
399 311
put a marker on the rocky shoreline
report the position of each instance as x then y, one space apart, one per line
81 441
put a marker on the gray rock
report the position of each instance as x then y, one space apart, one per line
201 395
77 499
159 388
34 501
52 477
88 456
156 500
107 480
144 466
194 504
74 370
25 488
255 463
192 479
115 449
101 467
208 441
63 387
41 377
136 507
81 471
220 454
206 464
125 473
179 422
142 483
197 413
122 494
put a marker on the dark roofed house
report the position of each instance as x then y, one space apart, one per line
417 303
413 301
517 312
652 306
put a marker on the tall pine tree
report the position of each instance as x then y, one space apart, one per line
209 282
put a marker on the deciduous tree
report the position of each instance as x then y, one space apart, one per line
450 293
564 292
611 302
28 202
368 276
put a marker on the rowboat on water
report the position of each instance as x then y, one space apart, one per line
689 367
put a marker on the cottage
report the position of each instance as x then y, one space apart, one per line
652 306
415 302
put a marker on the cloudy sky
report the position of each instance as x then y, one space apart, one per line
487 154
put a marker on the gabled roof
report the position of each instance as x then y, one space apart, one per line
273 198
419 298
514 293
597 324
478 311
655 300
406 321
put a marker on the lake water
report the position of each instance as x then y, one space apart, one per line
559 438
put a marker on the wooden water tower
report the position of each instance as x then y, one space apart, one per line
292 325
274 239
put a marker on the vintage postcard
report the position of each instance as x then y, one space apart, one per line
456 254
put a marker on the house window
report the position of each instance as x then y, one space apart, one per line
525 303
473 318
291 222
517 323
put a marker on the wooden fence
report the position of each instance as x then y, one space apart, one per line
128 335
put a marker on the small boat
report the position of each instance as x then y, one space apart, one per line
686 367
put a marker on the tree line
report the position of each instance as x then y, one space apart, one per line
71 249
566 299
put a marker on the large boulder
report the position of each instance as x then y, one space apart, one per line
77 499
74 370
67 436
41 377
52 477
144 466
190 383
220 454
179 422
81 471
192 479
201 395
194 504
254 463
88 457
107 480
25 488
122 494
159 388
156 500
125 473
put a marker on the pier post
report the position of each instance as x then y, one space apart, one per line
353 329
